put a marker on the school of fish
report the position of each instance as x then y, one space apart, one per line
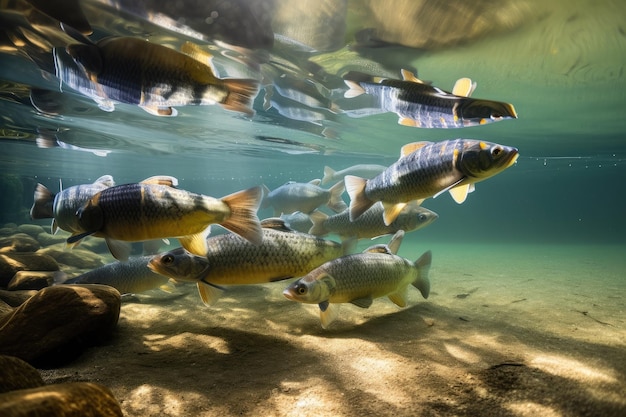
310 232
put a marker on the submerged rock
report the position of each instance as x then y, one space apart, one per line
15 374
47 239
30 229
78 258
19 242
56 324
16 298
31 280
12 262
85 399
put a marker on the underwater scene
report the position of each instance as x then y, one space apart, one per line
312 208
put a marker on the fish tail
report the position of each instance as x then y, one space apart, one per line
243 219
422 283
265 203
336 203
359 203
241 93
318 218
354 90
329 173
43 202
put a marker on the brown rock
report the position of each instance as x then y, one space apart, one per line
4 309
16 298
80 399
19 242
47 239
79 258
30 229
32 280
16 374
11 262
55 325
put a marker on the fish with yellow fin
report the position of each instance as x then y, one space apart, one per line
419 104
360 278
154 77
155 209
427 169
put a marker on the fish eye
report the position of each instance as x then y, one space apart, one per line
496 151
167 259
301 289
422 217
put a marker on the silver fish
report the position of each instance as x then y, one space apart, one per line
298 221
62 207
231 260
305 197
370 224
130 277
419 104
427 169
360 278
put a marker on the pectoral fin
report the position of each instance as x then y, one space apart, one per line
119 249
459 193
392 211
328 314
209 293
464 87
196 244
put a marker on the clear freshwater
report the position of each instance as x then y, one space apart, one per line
559 212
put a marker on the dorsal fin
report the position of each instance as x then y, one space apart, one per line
396 241
409 76
463 87
161 180
412 147
275 223
316 181
196 52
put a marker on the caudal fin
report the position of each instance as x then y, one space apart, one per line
336 203
318 218
241 94
243 218
359 203
329 173
43 202
422 282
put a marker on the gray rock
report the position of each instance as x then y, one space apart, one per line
84 399
11 262
56 324
19 242
47 239
78 258
15 374
30 229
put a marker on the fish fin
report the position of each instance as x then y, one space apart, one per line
43 203
336 203
151 247
399 297
209 293
75 238
265 203
54 227
391 211
196 52
459 193
119 249
380 248
315 181
409 76
106 180
160 111
359 203
241 94
354 89
318 218
412 147
243 218
328 313
422 283
329 173
196 243
364 302
463 87
161 180
105 104
405 121
396 241
275 223
168 287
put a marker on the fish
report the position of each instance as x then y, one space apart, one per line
230 260
130 277
419 104
305 197
154 77
360 278
62 207
155 209
427 169
370 224
360 170
298 221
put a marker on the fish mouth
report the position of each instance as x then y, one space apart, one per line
289 294
513 157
